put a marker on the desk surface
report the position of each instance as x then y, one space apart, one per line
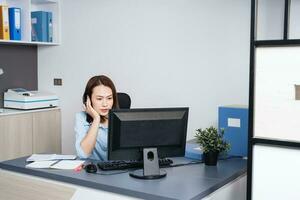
186 182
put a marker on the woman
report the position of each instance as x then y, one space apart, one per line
91 126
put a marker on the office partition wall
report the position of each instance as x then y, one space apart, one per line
274 101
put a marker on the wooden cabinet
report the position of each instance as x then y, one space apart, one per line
46 132
31 132
15 136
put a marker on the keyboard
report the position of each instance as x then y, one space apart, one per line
128 164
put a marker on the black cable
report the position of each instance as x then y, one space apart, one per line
112 173
184 164
231 157
200 162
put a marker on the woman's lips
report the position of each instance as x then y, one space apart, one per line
103 110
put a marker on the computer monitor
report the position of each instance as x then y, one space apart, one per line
131 131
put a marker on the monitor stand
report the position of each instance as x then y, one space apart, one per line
151 166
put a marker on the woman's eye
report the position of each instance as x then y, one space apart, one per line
109 98
99 99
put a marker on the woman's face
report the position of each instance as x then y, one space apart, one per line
102 99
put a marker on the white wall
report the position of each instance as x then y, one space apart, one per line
163 53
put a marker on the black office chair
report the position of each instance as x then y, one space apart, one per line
124 100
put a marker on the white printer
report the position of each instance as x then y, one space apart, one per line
20 98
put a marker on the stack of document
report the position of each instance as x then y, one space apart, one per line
53 161
44 157
61 164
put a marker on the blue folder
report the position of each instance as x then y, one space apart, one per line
39 23
15 23
235 122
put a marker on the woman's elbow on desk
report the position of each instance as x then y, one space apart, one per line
80 153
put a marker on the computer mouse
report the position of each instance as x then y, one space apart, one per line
91 168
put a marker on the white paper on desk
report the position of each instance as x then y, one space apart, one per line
67 164
40 157
43 157
41 164
64 157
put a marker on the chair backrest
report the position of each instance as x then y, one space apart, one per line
124 100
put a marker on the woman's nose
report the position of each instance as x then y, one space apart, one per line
104 103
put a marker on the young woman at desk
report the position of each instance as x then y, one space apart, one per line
91 125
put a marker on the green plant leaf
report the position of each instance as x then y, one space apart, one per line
210 140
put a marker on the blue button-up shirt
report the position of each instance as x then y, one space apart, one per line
81 129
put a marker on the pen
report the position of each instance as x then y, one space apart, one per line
79 168
54 163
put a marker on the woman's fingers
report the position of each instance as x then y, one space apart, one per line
88 101
89 108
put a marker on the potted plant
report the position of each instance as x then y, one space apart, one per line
212 143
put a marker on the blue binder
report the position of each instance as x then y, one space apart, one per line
49 27
234 119
15 23
39 26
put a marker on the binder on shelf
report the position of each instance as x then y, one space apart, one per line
39 26
49 27
4 22
15 23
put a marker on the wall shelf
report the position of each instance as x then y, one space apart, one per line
27 6
21 42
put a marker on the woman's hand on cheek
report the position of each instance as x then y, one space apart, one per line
90 110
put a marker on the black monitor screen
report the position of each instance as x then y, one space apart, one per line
131 130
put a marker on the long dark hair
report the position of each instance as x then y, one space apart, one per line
91 84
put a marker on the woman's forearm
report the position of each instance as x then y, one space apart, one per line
89 141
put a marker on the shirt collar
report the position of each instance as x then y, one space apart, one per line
103 126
